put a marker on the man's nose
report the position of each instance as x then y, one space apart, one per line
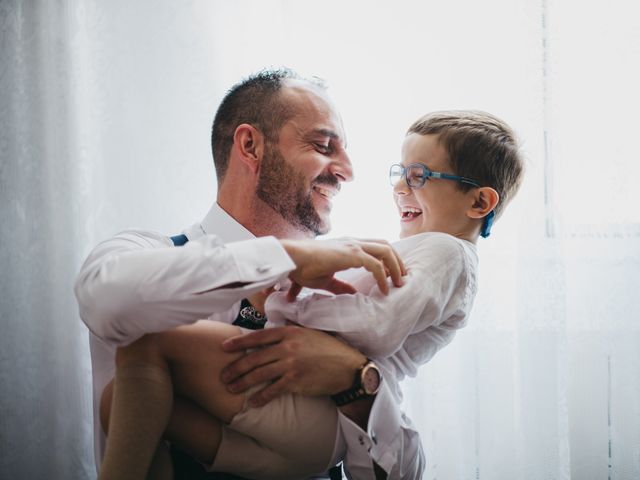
341 167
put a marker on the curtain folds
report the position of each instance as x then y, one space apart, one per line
106 113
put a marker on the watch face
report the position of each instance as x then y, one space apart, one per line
371 380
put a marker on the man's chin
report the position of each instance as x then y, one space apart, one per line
324 222
321 227
314 222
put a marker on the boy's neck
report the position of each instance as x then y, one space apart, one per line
470 234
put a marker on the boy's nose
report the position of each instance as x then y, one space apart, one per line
401 187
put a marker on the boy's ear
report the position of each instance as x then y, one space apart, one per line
485 200
249 144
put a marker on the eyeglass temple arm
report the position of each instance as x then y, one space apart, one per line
454 177
487 224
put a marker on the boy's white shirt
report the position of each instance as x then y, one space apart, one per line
403 329
132 284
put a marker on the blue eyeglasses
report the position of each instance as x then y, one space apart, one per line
417 174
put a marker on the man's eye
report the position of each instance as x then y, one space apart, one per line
322 148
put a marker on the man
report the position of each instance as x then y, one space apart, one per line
279 151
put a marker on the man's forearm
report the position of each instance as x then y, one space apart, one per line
317 261
310 362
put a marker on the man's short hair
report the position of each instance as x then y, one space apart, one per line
480 146
255 100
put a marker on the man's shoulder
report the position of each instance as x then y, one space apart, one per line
141 238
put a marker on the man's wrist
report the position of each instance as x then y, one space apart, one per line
366 382
352 365
292 248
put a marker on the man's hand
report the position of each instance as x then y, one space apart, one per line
317 261
295 359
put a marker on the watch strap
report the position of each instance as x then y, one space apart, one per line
348 396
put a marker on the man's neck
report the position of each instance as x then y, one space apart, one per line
262 220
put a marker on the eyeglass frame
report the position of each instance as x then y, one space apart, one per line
428 173
485 231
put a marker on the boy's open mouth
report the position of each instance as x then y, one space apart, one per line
409 213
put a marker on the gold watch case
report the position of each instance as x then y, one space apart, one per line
370 378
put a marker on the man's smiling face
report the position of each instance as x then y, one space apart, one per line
302 172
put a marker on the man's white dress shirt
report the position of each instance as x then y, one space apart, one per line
137 283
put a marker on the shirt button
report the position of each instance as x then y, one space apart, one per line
264 268
361 440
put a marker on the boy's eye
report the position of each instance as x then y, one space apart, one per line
414 176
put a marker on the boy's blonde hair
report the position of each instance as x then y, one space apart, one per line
480 146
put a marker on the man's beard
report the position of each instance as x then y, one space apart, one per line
283 188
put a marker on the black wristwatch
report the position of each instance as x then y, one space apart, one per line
365 384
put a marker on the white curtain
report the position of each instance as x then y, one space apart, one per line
106 110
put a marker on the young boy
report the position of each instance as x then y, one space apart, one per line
459 170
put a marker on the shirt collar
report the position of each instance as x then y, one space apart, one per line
220 223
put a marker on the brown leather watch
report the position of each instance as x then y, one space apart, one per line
366 383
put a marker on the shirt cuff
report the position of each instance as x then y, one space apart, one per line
260 259
385 428
380 442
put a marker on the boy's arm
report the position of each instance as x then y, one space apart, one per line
378 324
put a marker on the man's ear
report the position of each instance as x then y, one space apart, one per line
248 142
485 200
